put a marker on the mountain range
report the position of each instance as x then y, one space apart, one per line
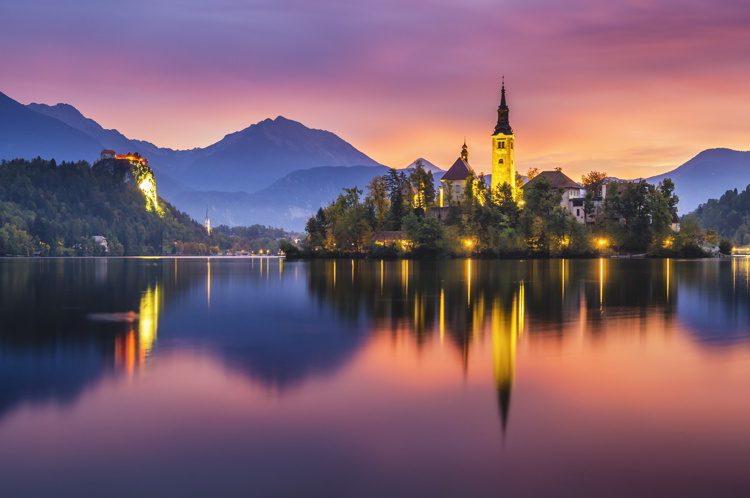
277 171
707 176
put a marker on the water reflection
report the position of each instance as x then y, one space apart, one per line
365 338
262 322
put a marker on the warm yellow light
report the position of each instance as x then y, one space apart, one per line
148 187
601 242
468 243
668 242
148 321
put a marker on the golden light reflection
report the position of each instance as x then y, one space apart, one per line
505 332
208 282
405 275
441 316
477 317
467 276
667 275
521 307
601 282
382 277
137 346
148 321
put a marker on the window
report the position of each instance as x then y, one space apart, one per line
500 161
578 212
501 144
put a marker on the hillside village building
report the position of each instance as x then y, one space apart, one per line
572 192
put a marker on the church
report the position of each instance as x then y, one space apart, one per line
453 183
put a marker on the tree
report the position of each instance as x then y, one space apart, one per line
531 173
15 242
543 218
398 188
593 182
316 228
425 233
643 212
377 197
422 186
666 187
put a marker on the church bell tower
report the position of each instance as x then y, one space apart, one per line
503 156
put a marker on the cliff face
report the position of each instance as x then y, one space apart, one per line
57 210
133 171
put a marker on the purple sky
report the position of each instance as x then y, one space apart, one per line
629 87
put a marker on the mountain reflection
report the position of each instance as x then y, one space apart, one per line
281 323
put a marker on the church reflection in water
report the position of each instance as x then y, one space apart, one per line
471 305
280 322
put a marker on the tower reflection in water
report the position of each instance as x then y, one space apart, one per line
470 306
478 306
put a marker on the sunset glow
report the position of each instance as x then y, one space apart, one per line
632 88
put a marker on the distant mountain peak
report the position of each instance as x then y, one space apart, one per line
427 165
708 174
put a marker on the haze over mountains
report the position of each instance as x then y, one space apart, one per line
275 172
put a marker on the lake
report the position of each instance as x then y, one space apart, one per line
260 377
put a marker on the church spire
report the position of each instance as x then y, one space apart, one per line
465 151
503 111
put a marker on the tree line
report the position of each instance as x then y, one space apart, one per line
633 217
48 209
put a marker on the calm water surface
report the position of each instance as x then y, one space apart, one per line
242 377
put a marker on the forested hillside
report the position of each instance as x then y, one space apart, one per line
50 209
729 215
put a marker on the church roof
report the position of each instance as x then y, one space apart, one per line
503 115
556 179
459 171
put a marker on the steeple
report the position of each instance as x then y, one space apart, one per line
207 223
503 111
465 152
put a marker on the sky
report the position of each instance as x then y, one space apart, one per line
632 88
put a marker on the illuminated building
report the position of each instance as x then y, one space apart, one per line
453 183
503 154
572 192
207 223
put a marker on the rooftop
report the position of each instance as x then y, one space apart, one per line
459 171
556 179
